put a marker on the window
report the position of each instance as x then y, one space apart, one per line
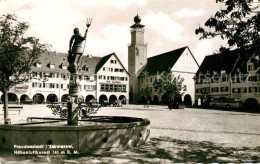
80 77
184 87
151 79
113 61
40 85
43 85
61 86
57 85
243 90
104 77
86 68
116 70
99 76
197 90
236 90
224 89
34 85
87 77
215 89
102 87
252 89
104 69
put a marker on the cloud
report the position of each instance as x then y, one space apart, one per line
112 37
189 13
164 25
120 4
203 48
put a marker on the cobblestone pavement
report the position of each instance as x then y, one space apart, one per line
189 135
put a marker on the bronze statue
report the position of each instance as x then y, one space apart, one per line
76 49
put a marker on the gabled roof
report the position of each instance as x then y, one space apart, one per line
102 62
105 59
163 61
229 61
61 59
92 62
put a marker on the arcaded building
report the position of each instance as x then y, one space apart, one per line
100 79
228 75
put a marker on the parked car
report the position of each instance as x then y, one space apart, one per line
105 103
117 103
226 103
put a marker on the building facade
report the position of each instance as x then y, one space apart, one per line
100 78
144 71
228 75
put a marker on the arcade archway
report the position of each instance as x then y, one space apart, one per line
38 98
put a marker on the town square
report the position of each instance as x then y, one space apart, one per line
129 81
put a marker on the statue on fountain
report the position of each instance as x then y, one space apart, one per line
76 50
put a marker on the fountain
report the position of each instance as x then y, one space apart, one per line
75 132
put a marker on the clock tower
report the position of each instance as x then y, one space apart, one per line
137 58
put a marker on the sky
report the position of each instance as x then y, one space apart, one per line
169 24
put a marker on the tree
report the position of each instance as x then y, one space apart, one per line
18 53
166 83
239 24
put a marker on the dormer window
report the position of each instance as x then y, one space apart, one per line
38 65
64 67
85 68
52 66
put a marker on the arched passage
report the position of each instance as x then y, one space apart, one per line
89 97
23 98
164 99
122 98
64 98
112 99
143 100
51 98
12 98
38 98
102 98
149 98
155 99
251 103
187 100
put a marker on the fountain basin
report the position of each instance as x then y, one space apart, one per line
95 134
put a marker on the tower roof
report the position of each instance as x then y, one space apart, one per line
137 21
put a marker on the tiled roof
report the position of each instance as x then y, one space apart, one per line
228 61
163 61
102 62
60 59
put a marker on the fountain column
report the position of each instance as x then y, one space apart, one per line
76 50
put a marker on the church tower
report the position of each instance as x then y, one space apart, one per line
137 58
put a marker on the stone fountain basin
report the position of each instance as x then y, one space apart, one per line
95 134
